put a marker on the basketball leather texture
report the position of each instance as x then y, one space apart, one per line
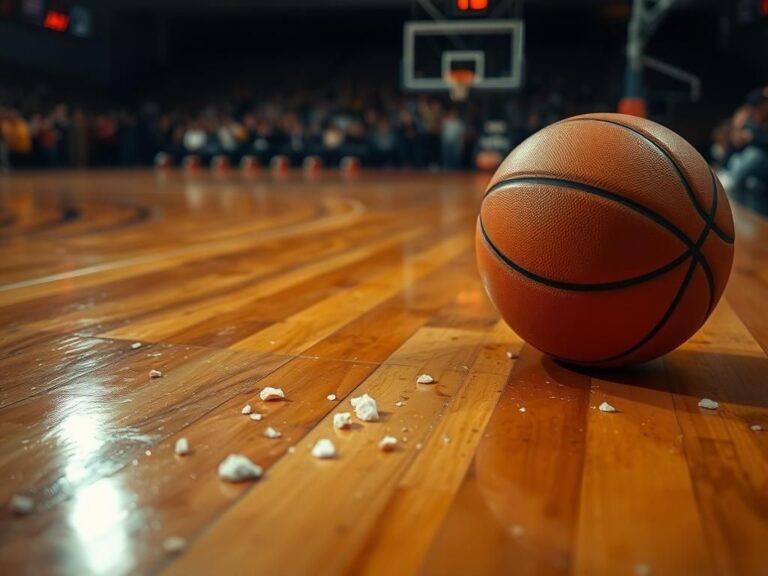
605 239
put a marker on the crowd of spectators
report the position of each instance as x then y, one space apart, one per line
740 151
382 128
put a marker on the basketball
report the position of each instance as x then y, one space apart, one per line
604 239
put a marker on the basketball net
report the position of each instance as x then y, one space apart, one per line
459 82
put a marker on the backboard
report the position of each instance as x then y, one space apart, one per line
491 49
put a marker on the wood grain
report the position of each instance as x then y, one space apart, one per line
329 286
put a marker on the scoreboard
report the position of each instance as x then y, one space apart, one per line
71 17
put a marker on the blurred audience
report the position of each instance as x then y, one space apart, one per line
379 126
740 150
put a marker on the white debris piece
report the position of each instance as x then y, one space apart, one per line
174 544
419 446
425 379
155 374
708 404
512 355
236 468
324 448
256 417
135 345
331 397
365 408
756 428
522 409
342 420
182 447
272 433
246 409
388 444
399 403
270 393
517 530
605 407
21 504
291 449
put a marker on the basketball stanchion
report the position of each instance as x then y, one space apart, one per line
163 160
192 163
250 164
459 81
221 164
350 166
312 166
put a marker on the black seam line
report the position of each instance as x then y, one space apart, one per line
581 287
631 204
688 190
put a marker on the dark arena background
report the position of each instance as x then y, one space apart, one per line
242 329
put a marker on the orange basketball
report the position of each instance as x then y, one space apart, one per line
605 239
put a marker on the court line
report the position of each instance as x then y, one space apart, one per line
357 209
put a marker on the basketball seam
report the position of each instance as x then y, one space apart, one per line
576 286
678 171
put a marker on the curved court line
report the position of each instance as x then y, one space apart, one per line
356 209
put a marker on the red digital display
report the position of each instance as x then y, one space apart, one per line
56 21
471 5
764 7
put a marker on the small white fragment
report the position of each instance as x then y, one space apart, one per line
756 428
388 444
642 569
605 407
182 447
324 449
236 468
399 403
446 440
331 397
21 504
425 379
174 544
512 355
155 374
246 409
135 345
419 446
256 417
342 420
291 449
270 393
365 408
272 433
708 404
522 409
517 530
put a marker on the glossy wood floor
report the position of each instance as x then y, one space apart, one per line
343 287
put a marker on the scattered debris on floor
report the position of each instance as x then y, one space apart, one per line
399 403
291 449
331 397
324 449
270 393
182 447
365 408
517 530
174 544
272 433
708 404
246 409
425 379
155 374
135 345
256 417
21 505
642 569
388 444
237 468
446 440
756 428
342 420
513 355
522 408
605 407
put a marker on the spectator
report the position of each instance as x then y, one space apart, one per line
747 168
453 140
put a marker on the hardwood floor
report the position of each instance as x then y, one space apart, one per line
345 286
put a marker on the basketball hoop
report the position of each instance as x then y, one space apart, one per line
459 81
